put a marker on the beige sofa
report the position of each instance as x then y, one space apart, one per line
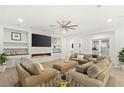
87 58
90 74
30 75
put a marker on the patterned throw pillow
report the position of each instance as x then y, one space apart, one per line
80 57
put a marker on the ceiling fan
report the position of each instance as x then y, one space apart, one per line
64 25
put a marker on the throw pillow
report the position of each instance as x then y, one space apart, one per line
80 57
39 68
27 64
95 70
83 68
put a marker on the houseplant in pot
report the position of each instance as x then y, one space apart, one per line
3 59
121 58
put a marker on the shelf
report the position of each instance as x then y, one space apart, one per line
17 54
15 47
57 52
16 42
16 51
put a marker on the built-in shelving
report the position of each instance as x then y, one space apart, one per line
13 47
56 45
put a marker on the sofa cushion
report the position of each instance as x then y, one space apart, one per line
76 76
84 79
39 68
96 69
104 76
83 68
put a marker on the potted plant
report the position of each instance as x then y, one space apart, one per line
3 58
121 58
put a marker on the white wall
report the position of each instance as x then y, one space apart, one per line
63 48
1 38
119 39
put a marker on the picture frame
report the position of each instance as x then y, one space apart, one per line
16 36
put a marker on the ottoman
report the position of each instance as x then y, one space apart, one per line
65 66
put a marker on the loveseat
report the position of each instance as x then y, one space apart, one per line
91 74
32 74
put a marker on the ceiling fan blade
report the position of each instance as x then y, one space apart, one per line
66 29
72 26
52 25
60 29
59 23
67 23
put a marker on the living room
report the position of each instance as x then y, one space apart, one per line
58 46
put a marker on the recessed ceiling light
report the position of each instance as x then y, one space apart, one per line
99 6
109 20
20 20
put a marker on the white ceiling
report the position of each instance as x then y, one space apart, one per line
39 18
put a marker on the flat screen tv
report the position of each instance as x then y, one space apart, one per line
41 40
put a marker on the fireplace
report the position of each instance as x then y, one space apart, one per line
41 55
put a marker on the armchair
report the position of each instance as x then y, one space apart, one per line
29 77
